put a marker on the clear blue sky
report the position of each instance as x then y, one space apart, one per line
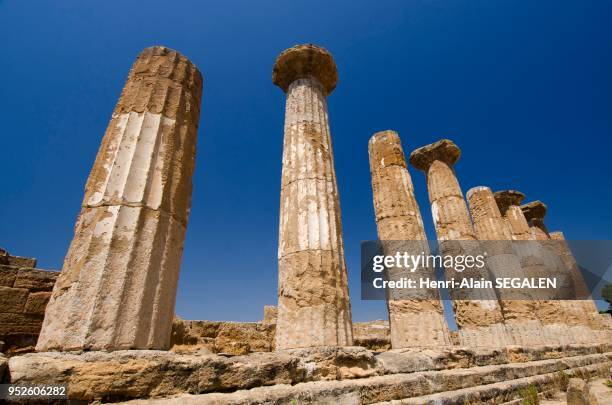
523 87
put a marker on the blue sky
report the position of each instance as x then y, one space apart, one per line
524 89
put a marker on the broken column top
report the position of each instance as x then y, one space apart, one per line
534 210
476 189
155 81
303 61
506 198
386 147
444 150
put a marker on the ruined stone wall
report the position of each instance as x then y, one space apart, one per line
24 293
239 338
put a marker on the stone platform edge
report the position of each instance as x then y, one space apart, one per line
137 374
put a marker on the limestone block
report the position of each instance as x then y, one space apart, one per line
243 338
37 302
222 337
21 261
13 299
373 335
35 280
270 313
11 323
578 393
8 274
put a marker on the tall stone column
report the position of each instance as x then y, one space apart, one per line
118 284
414 319
593 319
479 317
492 229
313 297
580 287
533 262
570 312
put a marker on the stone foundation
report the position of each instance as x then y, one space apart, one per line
347 375
24 293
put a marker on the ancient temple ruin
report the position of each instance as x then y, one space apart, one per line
109 330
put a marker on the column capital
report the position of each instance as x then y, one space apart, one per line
535 210
506 198
444 150
386 147
302 61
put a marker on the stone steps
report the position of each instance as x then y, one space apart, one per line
495 383
510 392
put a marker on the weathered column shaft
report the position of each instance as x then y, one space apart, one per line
566 316
313 297
479 317
522 324
118 284
580 287
414 321
508 202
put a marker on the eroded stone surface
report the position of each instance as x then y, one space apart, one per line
313 298
480 320
374 377
535 212
522 324
304 61
507 198
235 338
414 321
118 284
270 314
24 293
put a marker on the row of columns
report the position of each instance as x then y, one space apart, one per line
118 284
518 317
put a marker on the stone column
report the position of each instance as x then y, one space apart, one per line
492 229
592 318
118 284
508 202
569 312
580 287
414 319
313 297
531 256
479 318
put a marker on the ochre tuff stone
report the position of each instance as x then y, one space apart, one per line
304 61
311 374
118 285
522 326
313 298
479 316
506 198
414 321
443 150
23 296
